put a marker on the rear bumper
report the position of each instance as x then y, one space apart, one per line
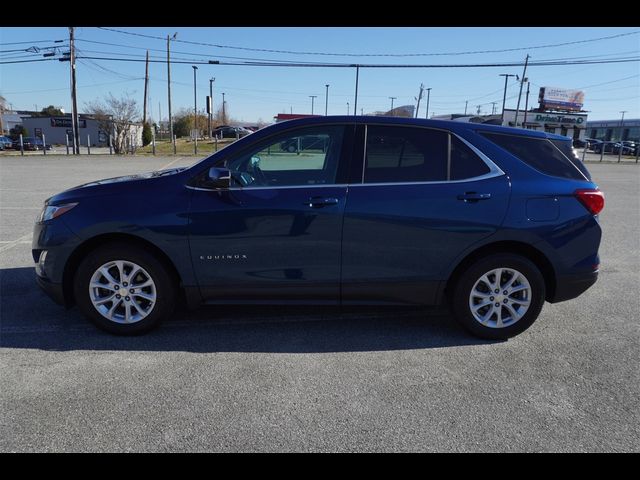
572 286
54 290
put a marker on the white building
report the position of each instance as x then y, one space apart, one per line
571 125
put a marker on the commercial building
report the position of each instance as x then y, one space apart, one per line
571 125
614 130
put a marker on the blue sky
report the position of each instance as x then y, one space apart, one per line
254 93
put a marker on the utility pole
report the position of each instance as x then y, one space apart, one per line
326 100
478 111
355 104
347 108
146 86
493 108
210 104
74 102
392 99
522 80
224 111
169 88
419 98
465 106
526 105
426 116
195 112
504 96
313 97
160 119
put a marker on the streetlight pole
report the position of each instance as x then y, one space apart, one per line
211 80
504 96
195 112
428 95
326 101
392 99
621 126
312 99
169 87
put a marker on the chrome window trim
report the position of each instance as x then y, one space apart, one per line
494 170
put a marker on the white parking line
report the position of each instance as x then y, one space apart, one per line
24 239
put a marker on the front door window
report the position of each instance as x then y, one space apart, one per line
303 157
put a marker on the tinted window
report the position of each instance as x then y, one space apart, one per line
538 153
405 154
464 162
307 156
566 148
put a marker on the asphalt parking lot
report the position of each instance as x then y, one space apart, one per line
298 379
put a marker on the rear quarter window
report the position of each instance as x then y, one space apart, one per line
540 154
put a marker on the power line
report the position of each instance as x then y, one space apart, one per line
380 54
207 55
32 41
371 65
67 88
29 61
612 81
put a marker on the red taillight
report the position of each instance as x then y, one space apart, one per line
592 198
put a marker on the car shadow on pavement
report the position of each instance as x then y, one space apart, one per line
30 320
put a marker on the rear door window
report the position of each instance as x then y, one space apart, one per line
405 154
567 149
538 153
464 162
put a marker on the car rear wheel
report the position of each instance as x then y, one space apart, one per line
123 289
499 296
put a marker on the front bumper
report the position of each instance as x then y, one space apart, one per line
54 290
53 244
572 286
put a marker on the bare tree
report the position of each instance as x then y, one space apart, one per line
116 117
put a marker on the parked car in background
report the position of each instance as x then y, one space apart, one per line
5 143
490 220
30 143
606 146
577 143
592 142
308 142
231 132
628 147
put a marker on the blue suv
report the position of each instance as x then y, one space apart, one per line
493 221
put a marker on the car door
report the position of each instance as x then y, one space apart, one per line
275 234
424 197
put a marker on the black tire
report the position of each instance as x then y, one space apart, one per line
164 287
466 281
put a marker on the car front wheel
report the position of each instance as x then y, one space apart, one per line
499 296
123 289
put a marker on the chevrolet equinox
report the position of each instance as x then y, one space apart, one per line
493 221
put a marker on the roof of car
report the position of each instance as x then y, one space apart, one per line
444 124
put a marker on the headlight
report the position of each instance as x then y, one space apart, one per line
49 212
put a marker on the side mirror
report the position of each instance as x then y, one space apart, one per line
219 178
